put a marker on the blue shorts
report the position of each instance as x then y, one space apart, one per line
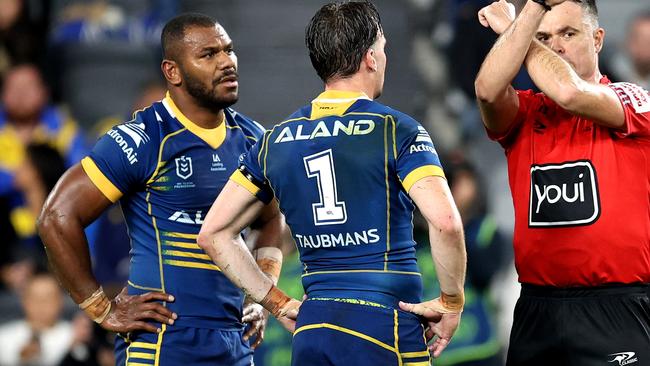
341 333
176 346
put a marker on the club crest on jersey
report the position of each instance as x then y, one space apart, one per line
184 167
563 195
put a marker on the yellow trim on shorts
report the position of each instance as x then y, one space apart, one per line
345 330
362 271
239 178
99 180
396 331
415 354
421 363
419 173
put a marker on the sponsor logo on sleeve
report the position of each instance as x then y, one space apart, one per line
422 143
634 95
136 132
563 195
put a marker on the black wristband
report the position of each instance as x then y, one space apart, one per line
543 3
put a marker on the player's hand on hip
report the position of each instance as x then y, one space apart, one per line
289 314
442 323
133 312
498 16
256 316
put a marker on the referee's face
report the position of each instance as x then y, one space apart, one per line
574 36
209 67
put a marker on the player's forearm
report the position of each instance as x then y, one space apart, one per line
231 255
269 260
507 55
552 75
449 257
67 251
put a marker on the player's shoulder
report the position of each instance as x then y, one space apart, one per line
399 117
141 135
249 127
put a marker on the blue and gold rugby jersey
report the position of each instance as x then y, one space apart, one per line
341 169
166 172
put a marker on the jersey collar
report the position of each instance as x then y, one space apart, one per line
212 136
334 102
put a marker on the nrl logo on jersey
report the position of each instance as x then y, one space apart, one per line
295 132
184 167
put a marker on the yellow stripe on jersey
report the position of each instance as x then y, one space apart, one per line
172 234
334 103
180 244
99 180
421 363
188 264
212 136
178 253
142 355
421 172
239 178
142 345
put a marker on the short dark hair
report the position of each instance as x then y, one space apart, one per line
590 8
175 29
339 35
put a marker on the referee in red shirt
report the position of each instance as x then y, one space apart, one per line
579 169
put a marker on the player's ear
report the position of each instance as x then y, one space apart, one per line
369 60
172 73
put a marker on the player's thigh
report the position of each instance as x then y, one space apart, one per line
184 346
333 333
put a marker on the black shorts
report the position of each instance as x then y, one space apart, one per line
581 326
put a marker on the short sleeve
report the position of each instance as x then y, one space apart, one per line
528 101
416 157
636 106
250 174
122 159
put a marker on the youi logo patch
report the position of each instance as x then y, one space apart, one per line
563 195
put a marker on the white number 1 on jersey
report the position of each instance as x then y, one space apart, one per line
328 210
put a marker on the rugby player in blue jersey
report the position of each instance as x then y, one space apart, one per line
166 167
347 172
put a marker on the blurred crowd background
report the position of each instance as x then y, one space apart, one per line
71 69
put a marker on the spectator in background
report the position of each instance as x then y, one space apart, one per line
41 338
487 254
22 38
27 117
634 64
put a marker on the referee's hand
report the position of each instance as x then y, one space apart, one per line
441 322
